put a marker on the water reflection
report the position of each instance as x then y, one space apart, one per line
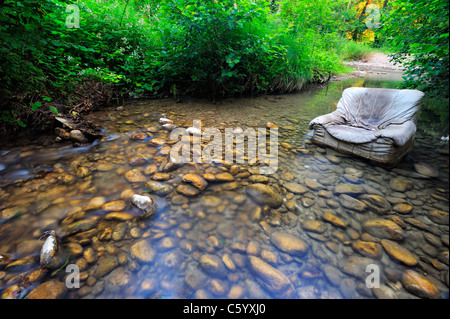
222 243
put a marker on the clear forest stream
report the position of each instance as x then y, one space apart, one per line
219 242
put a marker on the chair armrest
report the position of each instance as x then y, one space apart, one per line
400 133
334 118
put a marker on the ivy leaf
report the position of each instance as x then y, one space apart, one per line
36 105
53 109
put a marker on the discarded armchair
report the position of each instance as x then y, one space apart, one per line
375 124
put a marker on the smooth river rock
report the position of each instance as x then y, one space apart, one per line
159 188
419 285
142 251
264 194
376 203
401 184
48 290
384 229
289 244
295 188
399 253
439 217
271 278
213 265
196 181
352 203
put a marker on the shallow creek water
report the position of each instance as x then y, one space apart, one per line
220 242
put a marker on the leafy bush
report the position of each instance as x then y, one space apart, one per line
135 48
418 34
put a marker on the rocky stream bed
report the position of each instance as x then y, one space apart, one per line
310 230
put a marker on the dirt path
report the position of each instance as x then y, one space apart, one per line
376 61
376 66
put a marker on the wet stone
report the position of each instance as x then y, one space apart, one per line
376 203
188 190
48 290
352 203
95 203
384 229
157 141
349 189
114 206
159 188
315 226
142 251
333 275
426 170
106 265
271 278
399 253
444 257
75 249
368 249
224 177
213 265
401 184
137 160
258 179
22 263
295 188
143 203
161 176
264 194
439 217
135 176
307 202
336 221
432 239
10 213
119 216
196 181
313 184
419 285
403 208
79 226
77 136
289 244
356 266
384 292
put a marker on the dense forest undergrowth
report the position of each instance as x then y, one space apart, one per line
71 57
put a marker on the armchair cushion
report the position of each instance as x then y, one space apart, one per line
369 115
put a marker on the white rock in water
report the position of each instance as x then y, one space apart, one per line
144 203
169 126
164 120
193 130
48 250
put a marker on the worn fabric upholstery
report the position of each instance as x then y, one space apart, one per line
377 124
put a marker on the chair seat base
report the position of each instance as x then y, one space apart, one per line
382 151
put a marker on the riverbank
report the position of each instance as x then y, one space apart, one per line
376 66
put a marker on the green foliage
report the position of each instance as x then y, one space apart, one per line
355 51
418 33
212 48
